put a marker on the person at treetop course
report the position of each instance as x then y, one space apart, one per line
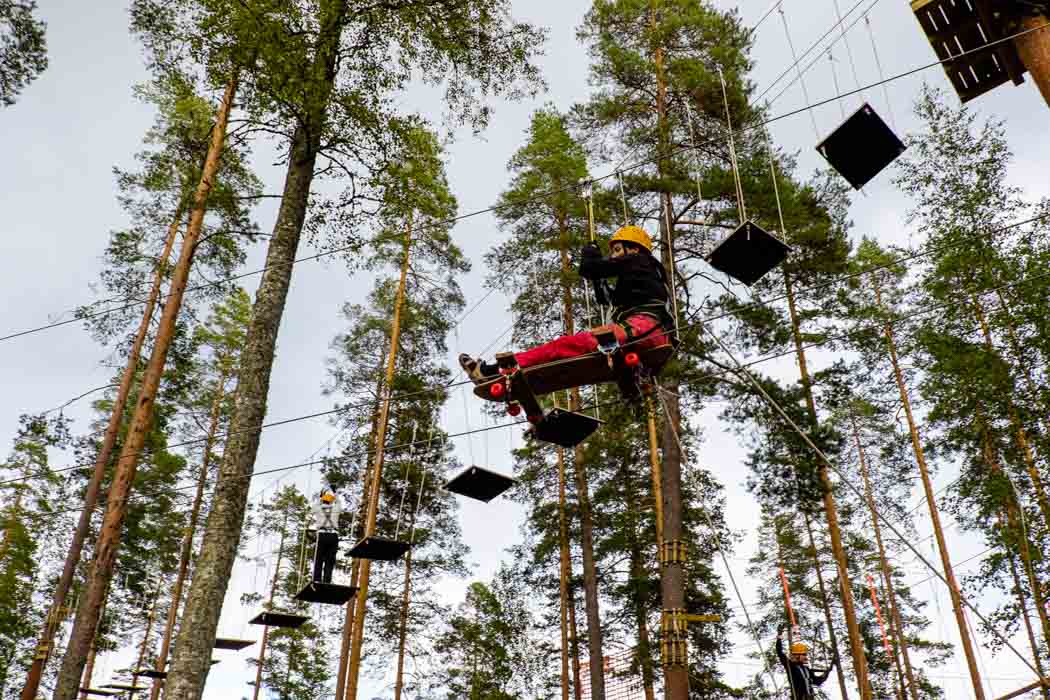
801 677
639 302
326 521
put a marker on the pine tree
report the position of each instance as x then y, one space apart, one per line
23 48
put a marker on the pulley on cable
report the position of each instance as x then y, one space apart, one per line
749 252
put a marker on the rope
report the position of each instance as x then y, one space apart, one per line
721 550
835 79
732 151
845 481
404 489
849 51
794 57
776 188
623 198
882 75
422 482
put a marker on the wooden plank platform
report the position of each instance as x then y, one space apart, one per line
100 692
954 27
232 644
327 593
748 253
272 618
379 549
861 147
578 371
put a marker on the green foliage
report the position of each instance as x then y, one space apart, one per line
23 48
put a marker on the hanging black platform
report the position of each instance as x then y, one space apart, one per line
955 28
748 253
327 593
232 644
479 483
564 428
861 147
272 618
150 673
99 691
379 549
125 688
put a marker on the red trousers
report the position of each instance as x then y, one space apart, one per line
584 342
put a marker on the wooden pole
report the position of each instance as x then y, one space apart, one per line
931 500
1034 50
141 423
1037 654
896 628
187 538
109 439
365 565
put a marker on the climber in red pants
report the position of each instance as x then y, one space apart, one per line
639 302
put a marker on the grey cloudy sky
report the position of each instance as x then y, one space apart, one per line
60 141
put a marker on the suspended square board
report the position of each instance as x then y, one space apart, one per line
232 644
124 687
748 253
327 593
480 484
955 28
272 618
99 691
151 673
565 428
861 147
379 549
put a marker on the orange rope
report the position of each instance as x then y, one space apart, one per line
787 603
878 616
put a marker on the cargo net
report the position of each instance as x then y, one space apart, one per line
621 681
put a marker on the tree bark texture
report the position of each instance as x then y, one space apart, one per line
896 629
1022 602
109 439
365 565
1034 50
935 518
187 539
564 574
860 662
192 658
825 605
117 501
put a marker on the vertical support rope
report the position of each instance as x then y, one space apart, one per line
732 151
882 75
849 51
623 197
795 59
835 79
672 264
776 187
404 489
422 483
721 552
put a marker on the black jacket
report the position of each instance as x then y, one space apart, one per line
639 277
802 678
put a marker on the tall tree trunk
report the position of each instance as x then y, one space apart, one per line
186 549
1034 50
109 439
1022 603
365 565
403 626
564 574
931 500
142 420
269 605
574 646
860 663
141 662
192 658
638 601
825 605
583 500
887 578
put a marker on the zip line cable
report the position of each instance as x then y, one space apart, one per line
767 358
497 207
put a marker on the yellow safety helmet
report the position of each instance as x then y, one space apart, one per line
633 234
327 496
799 648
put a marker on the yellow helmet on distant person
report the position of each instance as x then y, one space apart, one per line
799 648
327 497
633 234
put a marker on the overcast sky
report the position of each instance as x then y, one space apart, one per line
60 141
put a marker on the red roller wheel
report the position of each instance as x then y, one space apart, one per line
497 390
514 409
536 418
631 359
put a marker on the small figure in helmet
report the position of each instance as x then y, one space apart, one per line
801 677
326 521
639 301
